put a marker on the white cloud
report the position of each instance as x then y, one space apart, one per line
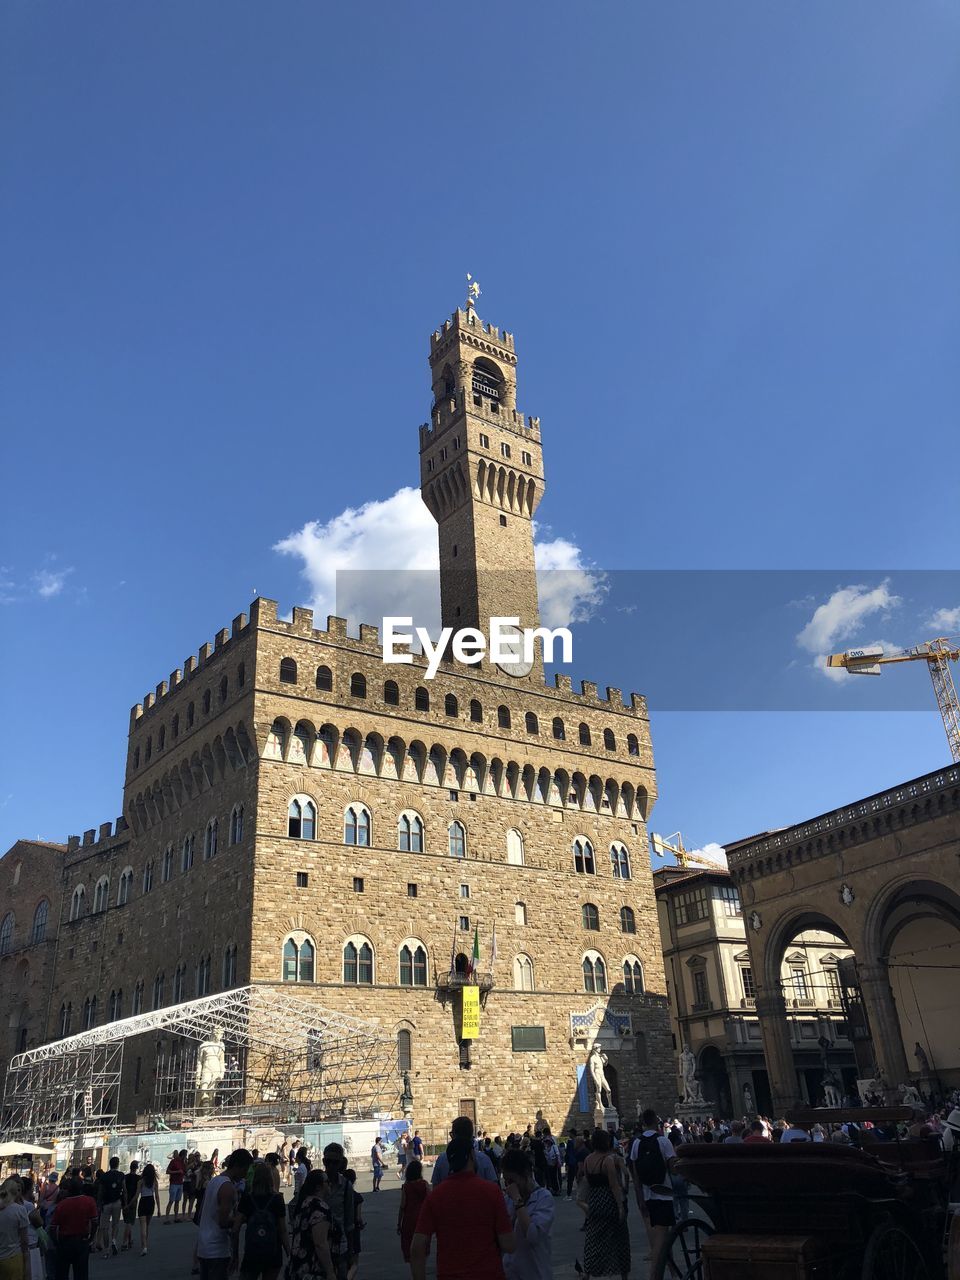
711 852
945 621
382 558
50 582
843 613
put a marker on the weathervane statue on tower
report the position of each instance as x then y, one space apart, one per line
473 291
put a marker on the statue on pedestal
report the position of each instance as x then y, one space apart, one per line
748 1107
688 1073
211 1068
601 1085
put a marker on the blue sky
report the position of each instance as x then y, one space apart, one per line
724 236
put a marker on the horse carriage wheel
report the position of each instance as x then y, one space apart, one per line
892 1254
683 1249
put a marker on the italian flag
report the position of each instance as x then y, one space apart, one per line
475 958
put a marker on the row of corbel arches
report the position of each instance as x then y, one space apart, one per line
351 751
206 767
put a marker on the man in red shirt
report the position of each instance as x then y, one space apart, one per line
468 1215
176 1172
756 1133
74 1222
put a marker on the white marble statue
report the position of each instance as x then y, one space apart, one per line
211 1068
688 1073
909 1096
601 1085
748 1107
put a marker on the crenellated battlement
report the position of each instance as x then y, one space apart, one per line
194 664
448 411
470 324
94 840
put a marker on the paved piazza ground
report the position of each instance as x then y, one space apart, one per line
171 1247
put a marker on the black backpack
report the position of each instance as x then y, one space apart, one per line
263 1235
650 1165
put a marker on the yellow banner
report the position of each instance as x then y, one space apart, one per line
470 1013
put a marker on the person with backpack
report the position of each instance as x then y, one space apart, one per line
312 1231
111 1207
652 1166
261 1210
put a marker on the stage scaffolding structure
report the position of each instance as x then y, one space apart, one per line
286 1060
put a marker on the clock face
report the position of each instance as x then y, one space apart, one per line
516 666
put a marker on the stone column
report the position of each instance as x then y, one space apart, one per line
772 1013
881 1010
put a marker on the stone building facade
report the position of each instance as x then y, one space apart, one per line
883 873
713 995
296 811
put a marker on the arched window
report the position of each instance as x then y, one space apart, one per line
584 735
159 983
186 853
230 966
190 715
633 976
148 876
149 748
476 711
324 679
531 722
450 706
514 847
203 975
241 675
356 825
125 884
299 954
210 839
116 1006
413 964
421 699
583 860
620 861
166 869
503 717
206 702
6 933
520 913
161 738
176 727
458 840
301 819
224 688
136 758
404 1050
559 729
39 930
628 921
609 741
594 972
358 962
410 833
288 671
633 745
523 973
137 998
590 916
358 685
76 902
391 693
66 1016
236 824
101 893
89 1013
179 983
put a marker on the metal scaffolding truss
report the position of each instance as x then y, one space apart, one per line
285 1059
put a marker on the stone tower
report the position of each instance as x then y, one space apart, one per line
481 475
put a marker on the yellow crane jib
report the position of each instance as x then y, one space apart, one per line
937 654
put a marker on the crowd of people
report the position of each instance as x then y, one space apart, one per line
488 1208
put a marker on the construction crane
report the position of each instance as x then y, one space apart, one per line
684 859
937 654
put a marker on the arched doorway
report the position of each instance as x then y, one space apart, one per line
714 1081
918 934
